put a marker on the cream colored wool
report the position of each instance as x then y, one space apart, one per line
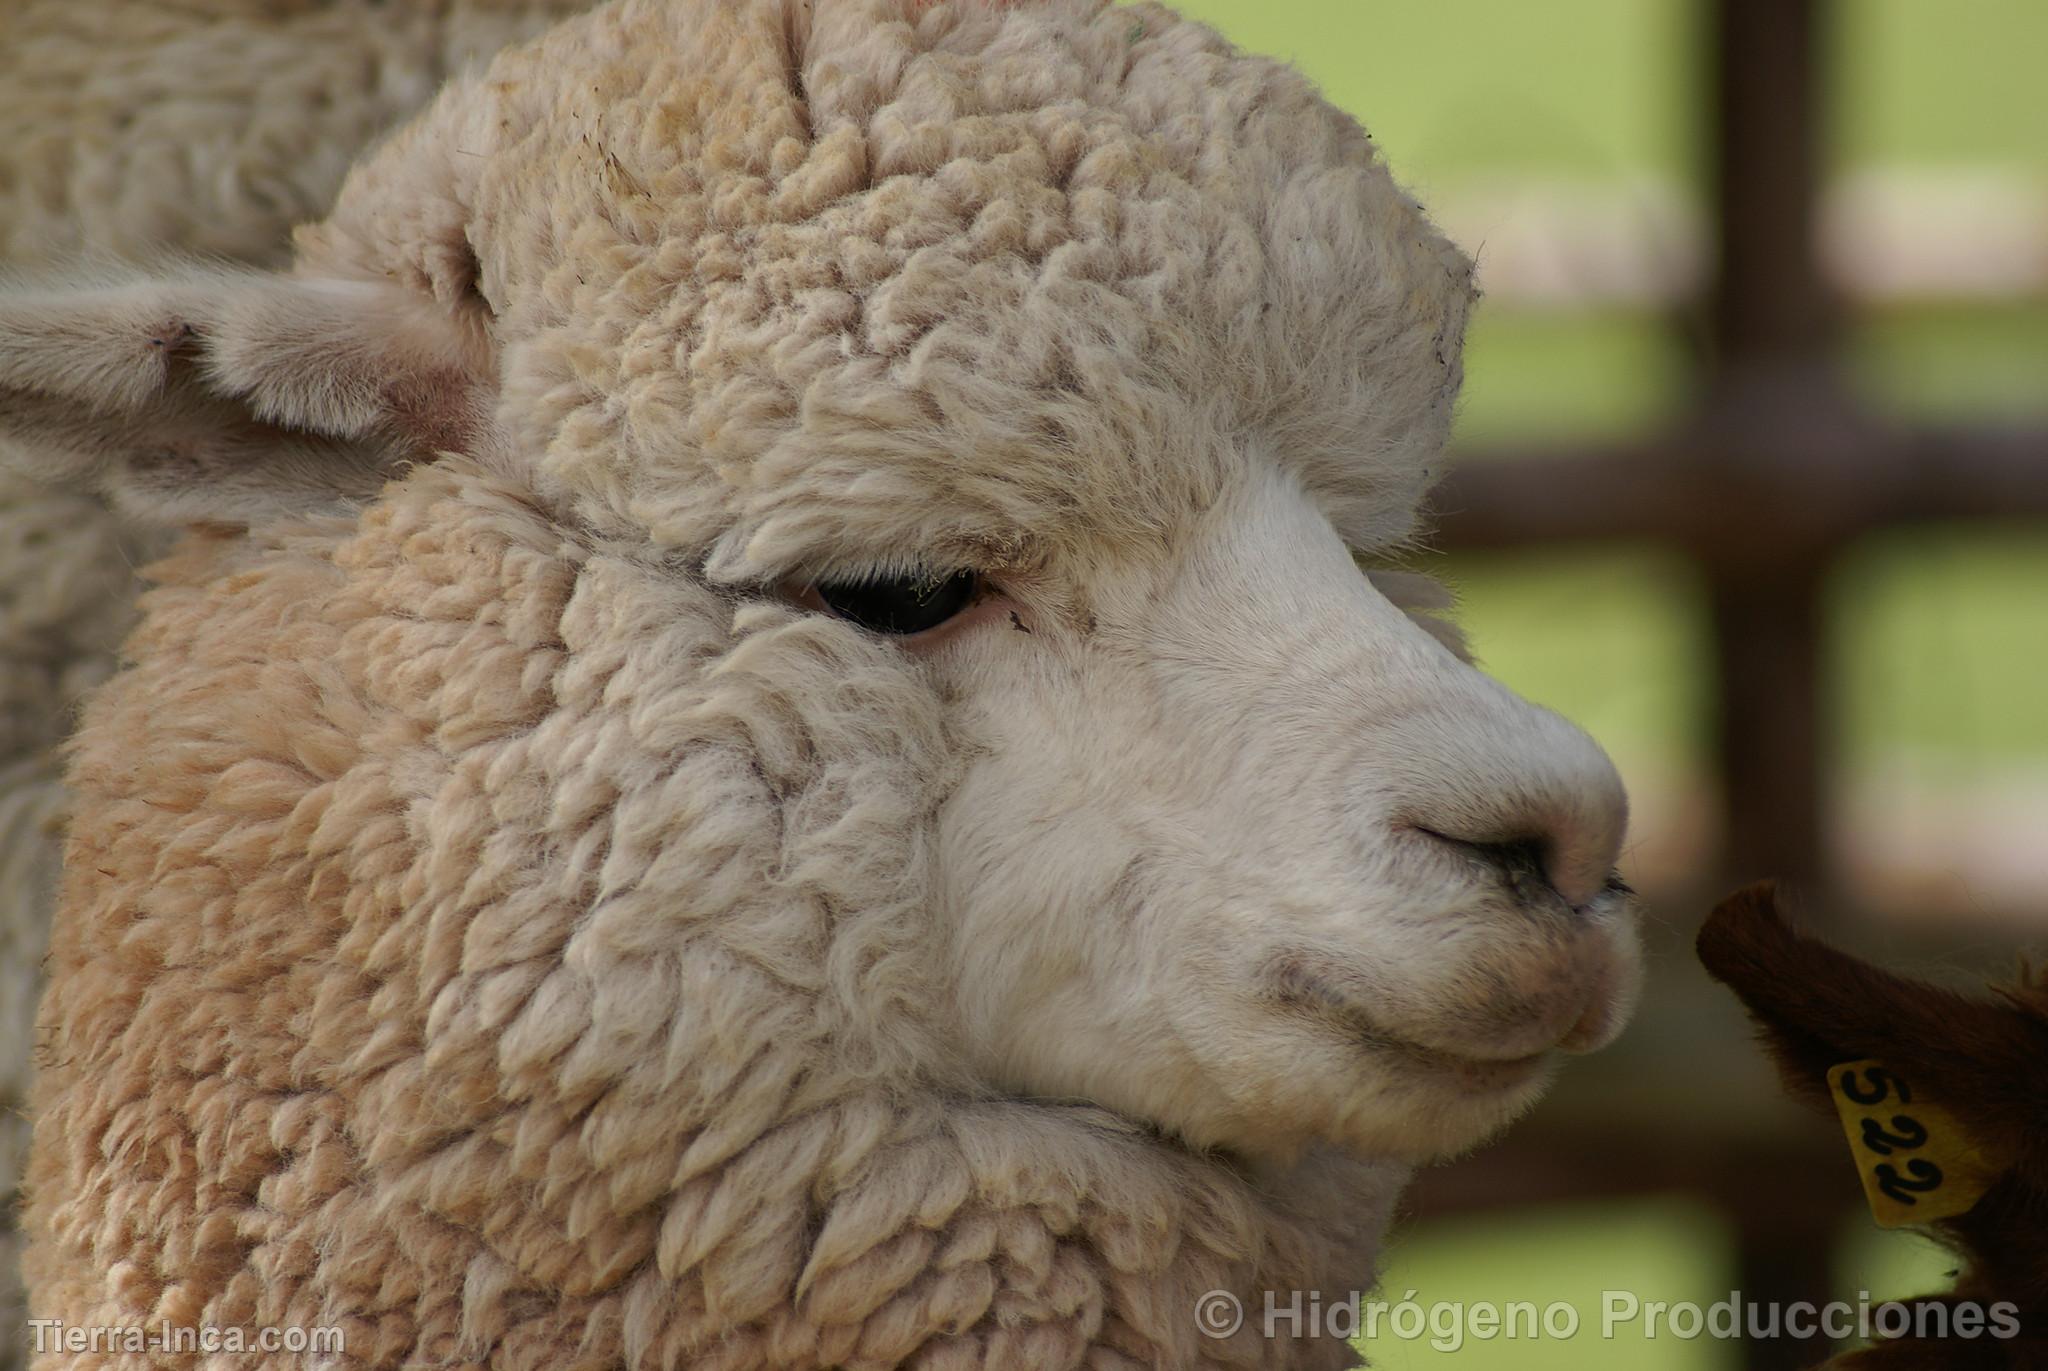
64 573
212 126
129 128
501 922
30 804
66 598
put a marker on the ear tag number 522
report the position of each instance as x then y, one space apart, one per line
1917 1161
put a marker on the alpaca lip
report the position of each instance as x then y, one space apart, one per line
1474 1072
1298 984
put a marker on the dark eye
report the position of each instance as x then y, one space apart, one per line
900 604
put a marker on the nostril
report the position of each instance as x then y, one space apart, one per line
1549 816
1519 858
1521 862
1532 866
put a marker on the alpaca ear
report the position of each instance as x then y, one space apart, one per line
231 396
1818 1007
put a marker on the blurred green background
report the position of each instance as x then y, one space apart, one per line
1491 111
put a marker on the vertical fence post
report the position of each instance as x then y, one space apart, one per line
1773 330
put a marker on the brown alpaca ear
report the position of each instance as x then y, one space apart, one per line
232 395
1818 1008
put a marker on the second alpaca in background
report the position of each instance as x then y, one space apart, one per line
1977 1060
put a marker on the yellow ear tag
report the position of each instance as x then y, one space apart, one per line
1917 1160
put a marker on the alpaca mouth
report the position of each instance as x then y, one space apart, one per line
1472 1065
1475 1073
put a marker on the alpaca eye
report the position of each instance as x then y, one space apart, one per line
900 605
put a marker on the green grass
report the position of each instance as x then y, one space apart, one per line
1940 83
1955 363
1542 380
1661 1249
1455 86
1942 646
1593 87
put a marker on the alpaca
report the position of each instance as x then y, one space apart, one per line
126 129
1977 1060
765 747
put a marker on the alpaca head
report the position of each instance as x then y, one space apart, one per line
837 524
1976 1059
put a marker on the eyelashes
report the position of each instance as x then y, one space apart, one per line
900 606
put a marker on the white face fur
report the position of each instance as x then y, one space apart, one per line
1259 859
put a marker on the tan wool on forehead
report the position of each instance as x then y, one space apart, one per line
793 285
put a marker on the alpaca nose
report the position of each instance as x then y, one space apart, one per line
1518 789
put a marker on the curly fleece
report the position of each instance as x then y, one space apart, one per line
130 128
518 947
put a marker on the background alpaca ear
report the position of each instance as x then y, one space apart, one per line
231 396
1818 1007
